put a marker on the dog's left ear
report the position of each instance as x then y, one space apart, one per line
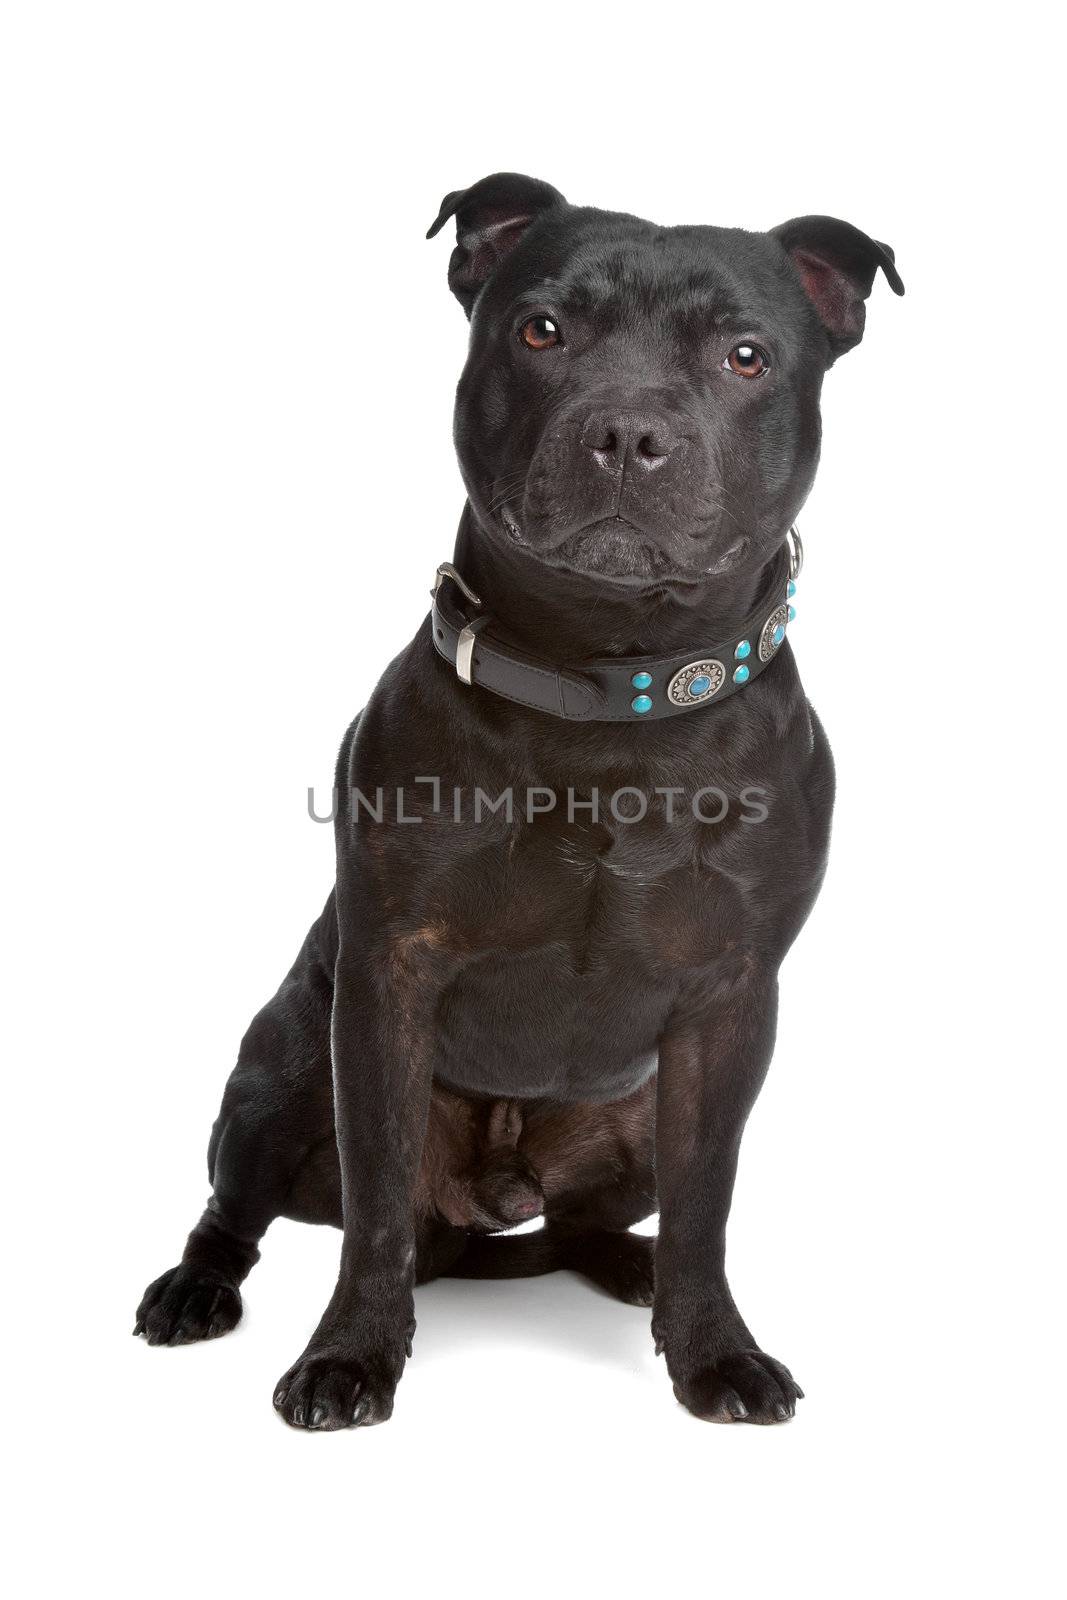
491 218
837 263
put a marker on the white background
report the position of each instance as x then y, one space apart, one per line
217 306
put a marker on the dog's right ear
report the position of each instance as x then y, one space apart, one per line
491 218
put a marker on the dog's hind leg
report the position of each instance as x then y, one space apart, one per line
595 1166
276 1118
622 1264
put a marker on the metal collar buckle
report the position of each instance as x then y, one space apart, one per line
468 634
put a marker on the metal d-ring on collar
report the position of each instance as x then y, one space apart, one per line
796 553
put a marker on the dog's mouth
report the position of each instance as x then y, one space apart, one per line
511 527
730 558
614 550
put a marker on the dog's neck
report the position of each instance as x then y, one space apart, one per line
570 617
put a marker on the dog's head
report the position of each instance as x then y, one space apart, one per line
642 403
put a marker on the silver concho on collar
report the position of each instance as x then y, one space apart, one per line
695 683
768 644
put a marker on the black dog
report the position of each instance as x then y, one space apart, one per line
528 991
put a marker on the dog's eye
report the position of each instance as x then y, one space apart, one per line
540 333
747 360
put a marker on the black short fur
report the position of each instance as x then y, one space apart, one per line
571 1015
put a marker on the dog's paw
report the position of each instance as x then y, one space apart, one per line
743 1386
632 1282
325 1393
185 1304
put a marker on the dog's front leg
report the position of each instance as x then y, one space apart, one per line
381 1041
711 1067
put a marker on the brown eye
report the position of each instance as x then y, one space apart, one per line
540 333
747 360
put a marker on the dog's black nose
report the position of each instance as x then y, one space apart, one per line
619 439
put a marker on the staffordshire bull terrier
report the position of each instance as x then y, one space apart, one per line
579 823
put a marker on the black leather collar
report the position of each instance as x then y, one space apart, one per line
634 689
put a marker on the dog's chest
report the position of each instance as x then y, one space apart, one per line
587 890
569 941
